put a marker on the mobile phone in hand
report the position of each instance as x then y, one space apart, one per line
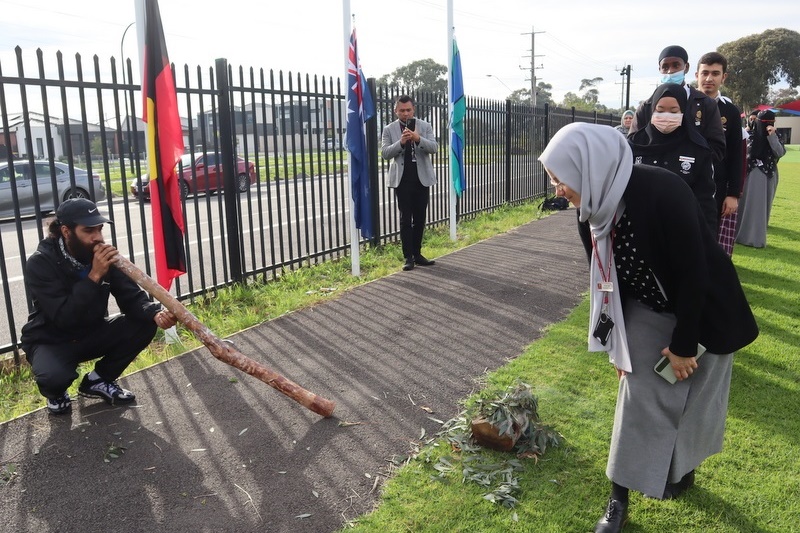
664 369
411 124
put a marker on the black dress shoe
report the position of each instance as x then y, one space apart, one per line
615 517
673 490
409 264
421 261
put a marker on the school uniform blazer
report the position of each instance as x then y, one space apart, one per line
729 172
693 163
705 116
392 150
697 276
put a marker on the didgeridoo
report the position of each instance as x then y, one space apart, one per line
223 351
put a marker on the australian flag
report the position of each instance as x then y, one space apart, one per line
360 108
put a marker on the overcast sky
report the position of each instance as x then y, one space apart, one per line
579 39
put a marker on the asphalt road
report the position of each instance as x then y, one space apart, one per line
210 449
280 224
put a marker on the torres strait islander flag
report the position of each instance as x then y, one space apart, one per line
457 121
164 149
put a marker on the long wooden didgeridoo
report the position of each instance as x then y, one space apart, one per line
222 350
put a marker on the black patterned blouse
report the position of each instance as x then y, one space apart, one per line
635 278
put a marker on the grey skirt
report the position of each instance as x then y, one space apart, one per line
755 207
663 431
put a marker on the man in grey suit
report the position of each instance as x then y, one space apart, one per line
409 143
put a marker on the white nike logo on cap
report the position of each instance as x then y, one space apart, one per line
92 210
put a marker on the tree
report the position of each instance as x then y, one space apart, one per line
777 97
521 96
592 94
424 75
574 100
96 146
758 61
588 100
543 95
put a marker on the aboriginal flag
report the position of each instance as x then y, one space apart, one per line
164 149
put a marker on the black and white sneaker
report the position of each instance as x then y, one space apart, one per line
60 405
110 391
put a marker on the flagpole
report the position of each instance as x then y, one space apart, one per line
355 240
450 32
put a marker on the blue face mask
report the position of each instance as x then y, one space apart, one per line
675 77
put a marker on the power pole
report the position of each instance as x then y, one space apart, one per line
628 91
533 64
626 86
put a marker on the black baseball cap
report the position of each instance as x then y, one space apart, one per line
81 212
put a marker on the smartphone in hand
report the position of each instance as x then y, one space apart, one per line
664 369
411 124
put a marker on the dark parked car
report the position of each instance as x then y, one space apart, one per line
206 175
24 172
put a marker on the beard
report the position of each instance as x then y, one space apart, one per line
80 251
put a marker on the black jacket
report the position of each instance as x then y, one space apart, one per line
704 114
697 276
692 163
67 308
729 172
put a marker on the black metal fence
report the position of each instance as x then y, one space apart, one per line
289 126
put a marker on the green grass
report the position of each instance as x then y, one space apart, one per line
752 486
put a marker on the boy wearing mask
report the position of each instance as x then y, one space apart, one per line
673 63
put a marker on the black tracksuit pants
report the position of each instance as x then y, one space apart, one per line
116 343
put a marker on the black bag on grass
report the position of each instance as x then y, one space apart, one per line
555 203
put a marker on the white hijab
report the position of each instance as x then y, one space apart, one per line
596 162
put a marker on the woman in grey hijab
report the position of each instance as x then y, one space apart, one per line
625 122
660 285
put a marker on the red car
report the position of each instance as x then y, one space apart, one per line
205 175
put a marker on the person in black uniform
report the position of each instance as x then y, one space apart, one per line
673 63
669 140
712 71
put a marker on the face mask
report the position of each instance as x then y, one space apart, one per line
675 77
666 122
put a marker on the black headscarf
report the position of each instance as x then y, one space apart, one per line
751 120
759 148
650 140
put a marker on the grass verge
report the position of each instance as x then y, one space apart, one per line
752 486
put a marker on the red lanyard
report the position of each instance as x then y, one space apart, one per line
605 284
